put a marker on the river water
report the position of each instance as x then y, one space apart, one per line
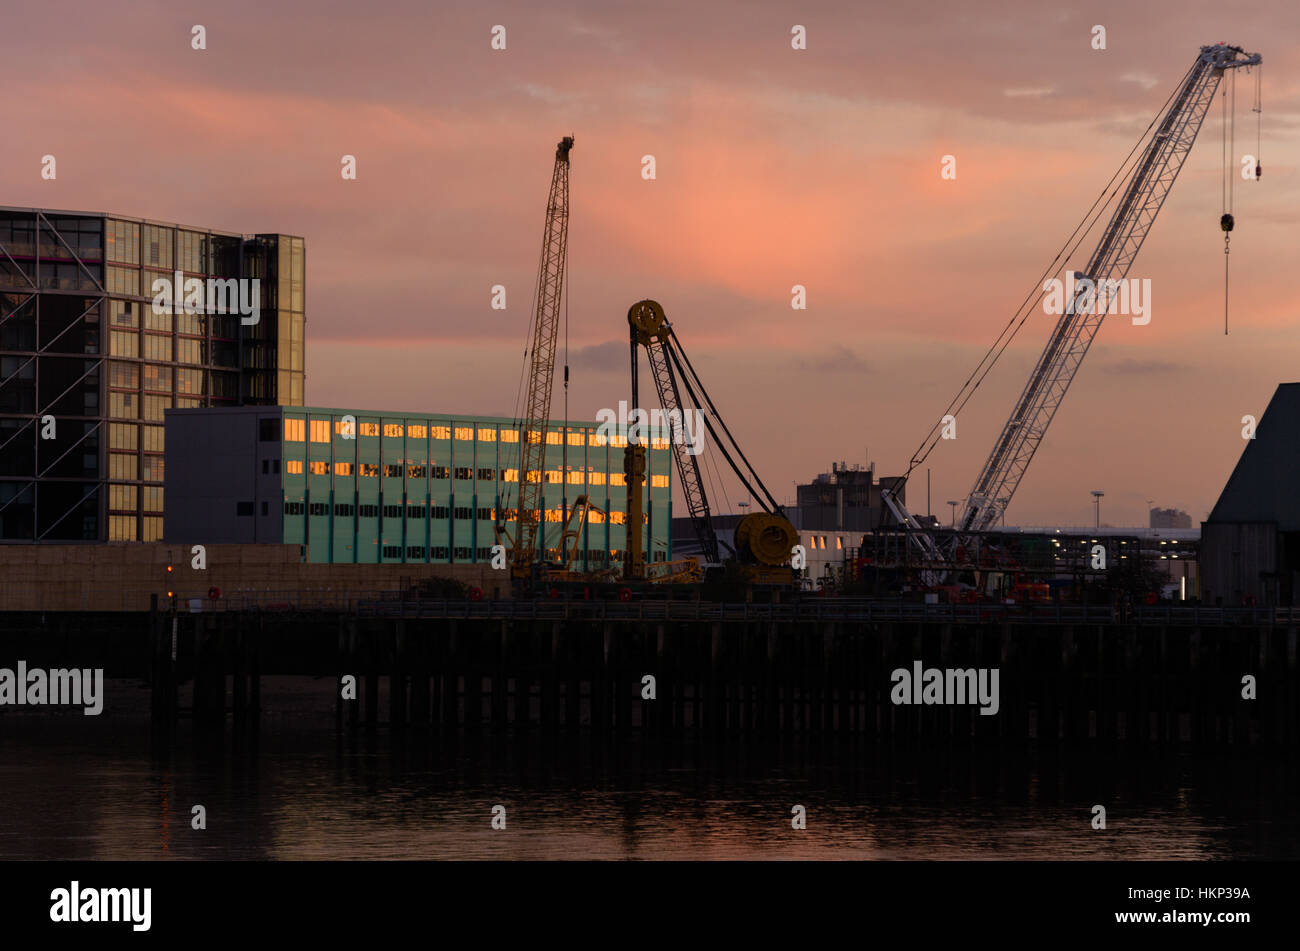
74 787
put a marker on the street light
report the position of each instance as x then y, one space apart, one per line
1097 498
954 512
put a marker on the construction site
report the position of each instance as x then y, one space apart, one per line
526 569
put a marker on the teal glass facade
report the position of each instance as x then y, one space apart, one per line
371 487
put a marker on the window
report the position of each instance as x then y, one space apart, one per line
554 515
415 551
392 551
266 467
316 508
159 379
417 432
440 432
483 554
416 472
595 478
659 482
393 470
268 430
486 514
152 438
320 430
319 467
439 511
264 511
293 466
509 475
486 475
243 509
367 511
293 508
392 511
597 439
464 472
440 472
123 436
415 511
343 468
440 553
394 429
154 406
576 478
370 469
464 512
554 439
369 429
510 435
157 348
121 497
294 429
554 476
152 469
617 478
121 528
487 435
464 553
343 509
124 343
125 375
577 439
124 405
464 432
618 518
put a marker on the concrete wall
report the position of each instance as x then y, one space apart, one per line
122 576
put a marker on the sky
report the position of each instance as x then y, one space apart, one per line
773 167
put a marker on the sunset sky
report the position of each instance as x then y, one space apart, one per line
775 167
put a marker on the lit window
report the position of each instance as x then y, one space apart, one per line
319 468
554 515
293 466
394 429
554 476
596 518
294 430
417 432
534 476
510 435
595 478
369 469
440 432
618 442
577 439
465 432
554 439
487 435
534 435
839 543
510 475
618 518
320 430
369 429
659 444
597 439
659 481
617 478
576 478
343 468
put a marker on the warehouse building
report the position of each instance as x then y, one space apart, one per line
358 486
89 363
1250 544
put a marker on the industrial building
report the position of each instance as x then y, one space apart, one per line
831 515
88 364
1169 518
1250 544
359 486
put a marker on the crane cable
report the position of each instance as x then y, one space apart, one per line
1226 220
999 346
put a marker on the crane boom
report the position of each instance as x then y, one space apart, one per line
541 374
1145 192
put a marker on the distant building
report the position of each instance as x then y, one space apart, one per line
1250 544
1170 518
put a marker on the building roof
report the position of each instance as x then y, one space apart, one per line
1264 485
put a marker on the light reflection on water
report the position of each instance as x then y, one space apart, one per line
99 788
